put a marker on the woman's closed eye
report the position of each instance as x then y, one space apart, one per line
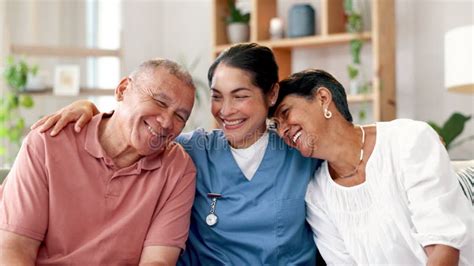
242 96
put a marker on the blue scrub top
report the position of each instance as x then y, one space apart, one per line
260 222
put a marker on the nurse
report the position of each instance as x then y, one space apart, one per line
250 186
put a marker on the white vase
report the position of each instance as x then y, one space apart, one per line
238 32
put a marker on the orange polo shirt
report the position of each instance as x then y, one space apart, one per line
66 192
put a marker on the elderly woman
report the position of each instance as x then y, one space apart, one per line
386 193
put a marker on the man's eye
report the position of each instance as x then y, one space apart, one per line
160 103
181 118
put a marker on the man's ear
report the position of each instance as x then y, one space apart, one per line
324 96
273 94
120 89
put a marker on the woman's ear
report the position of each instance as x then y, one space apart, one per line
324 96
272 95
120 89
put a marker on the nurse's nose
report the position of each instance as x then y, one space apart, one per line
227 108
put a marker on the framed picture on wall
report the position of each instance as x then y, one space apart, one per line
66 80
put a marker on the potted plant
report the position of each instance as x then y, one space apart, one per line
11 122
238 29
358 82
451 129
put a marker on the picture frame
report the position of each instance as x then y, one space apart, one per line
66 80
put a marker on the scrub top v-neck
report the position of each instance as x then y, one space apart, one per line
260 222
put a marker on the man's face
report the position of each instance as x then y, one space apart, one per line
154 110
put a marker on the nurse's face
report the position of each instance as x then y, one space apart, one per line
238 105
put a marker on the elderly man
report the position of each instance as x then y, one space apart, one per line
118 192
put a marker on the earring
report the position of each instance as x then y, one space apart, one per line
327 113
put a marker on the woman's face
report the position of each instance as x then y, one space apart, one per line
300 122
238 105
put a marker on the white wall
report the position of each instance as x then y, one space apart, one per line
173 29
421 95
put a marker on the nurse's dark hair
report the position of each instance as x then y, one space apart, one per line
306 83
257 60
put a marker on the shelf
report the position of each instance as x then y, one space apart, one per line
360 98
63 51
312 41
82 93
331 21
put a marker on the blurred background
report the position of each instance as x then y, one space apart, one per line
105 40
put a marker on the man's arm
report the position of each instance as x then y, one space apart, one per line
17 250
80 111
159 256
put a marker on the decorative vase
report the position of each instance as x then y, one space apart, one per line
301 20
238 32
276 28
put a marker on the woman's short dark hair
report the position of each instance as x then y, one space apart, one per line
307 82
257 60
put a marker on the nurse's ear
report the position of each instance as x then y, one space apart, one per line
272 95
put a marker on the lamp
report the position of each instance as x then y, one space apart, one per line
459 59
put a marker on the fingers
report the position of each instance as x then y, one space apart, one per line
60 124
40 122
50 122
81 122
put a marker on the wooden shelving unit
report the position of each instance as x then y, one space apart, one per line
60 51
66 52
332 20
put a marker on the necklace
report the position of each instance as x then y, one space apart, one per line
361 156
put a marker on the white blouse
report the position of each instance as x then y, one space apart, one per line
410 199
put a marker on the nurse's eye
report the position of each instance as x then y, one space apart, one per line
216 97
241 96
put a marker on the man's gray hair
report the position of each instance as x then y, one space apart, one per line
172 67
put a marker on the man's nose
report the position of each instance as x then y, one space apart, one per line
166 120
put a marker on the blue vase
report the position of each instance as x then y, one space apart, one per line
301 21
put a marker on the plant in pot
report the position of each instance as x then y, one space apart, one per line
359 83
451 129
13 99
238 29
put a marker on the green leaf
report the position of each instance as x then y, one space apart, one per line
12 101
352 71
355 46
453 127
34 70
436 128
235 14
362 114
26 101
348 8
3 151
3 132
